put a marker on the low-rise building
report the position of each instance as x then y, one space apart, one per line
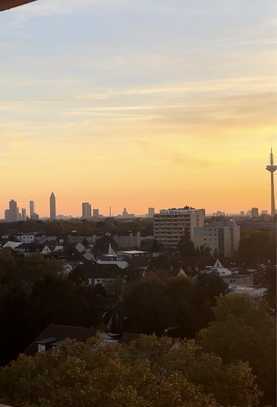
238 281
222 238
130 241
54 335
26 237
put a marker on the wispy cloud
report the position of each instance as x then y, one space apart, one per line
158 91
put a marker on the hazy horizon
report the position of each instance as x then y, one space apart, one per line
138 105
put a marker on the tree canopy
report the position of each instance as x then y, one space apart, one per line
257 247
34 294
244 330
149 372
153 305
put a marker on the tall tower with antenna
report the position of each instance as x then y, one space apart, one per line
52 201
272 168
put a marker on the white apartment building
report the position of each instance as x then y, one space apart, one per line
26 238
172 225
222 238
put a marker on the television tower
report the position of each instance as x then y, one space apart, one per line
272 168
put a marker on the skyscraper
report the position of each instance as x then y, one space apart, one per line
53 213
86 210
32 209
272 168
12 214
254 212
23 214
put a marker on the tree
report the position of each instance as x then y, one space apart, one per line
147 307
231 384
207 287
18 276
33 295
186 247
205 290
179 293
244 331
257 247
150 372
154 305
25 270
270 284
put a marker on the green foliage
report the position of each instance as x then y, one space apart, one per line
257 247
150 372
186 247
147 306
231 384
80 227
25 270
34 294
153 305
244 331
270 284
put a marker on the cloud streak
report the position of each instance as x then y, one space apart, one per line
171 101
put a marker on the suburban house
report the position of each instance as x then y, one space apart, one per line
54 334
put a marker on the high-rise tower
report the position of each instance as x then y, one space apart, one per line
53 214
32 209
12 214
86 210
272 168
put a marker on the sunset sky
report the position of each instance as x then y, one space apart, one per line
138 103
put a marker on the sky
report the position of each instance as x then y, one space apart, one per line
137 104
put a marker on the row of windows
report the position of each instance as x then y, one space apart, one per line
170 230
165 233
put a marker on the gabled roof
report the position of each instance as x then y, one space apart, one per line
219 269
182 274
89 256
46 250
12 245
58 249
111 251
80 248
60 333
218 264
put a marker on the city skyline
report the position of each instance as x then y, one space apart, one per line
126 125
87 209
